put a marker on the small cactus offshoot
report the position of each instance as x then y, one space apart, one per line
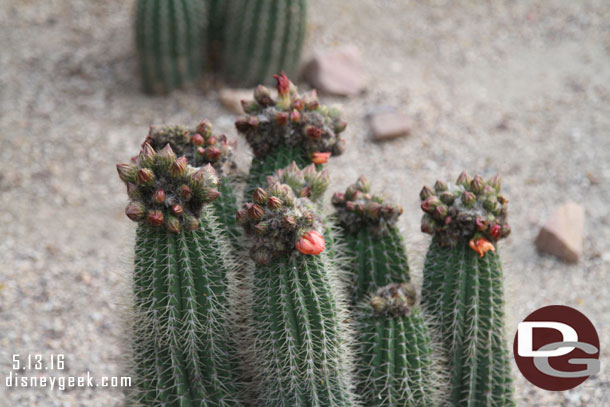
462 287
306 183
397 361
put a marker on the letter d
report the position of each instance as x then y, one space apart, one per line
526 338
9 380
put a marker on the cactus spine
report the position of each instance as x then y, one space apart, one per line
292 127
201 147
397 364
170 42
181 344
297 332
462 286
261 38
371 238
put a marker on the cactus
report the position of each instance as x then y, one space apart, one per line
200 146
292 127
371 239
217 20
397 364
297 322
261 38
181 344
170 41
462 286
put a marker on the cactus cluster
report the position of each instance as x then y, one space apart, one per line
266 304
181 344
170 38
262 38
462 286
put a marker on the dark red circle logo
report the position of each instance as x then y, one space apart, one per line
556 348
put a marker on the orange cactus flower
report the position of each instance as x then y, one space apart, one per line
481 246
311 243
320 158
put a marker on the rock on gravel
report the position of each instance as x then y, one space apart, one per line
562 235
389 125
336 72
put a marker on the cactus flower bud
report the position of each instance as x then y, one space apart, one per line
212 153
261 228
289 222
178 167
166 156
495 182
481 246
313 132
505 230
155 218
447 197
185 192
378 304
295 116
213 140
255 212
177 209
338 198
191 223
468 198
242 125
490 203
340 126
283 84
297 104
274 203
135 211
281 118
242 216
205 128
463 180
263 96
320 158
425 193
477 184
440 212
173 224
440 186
127 172
145 176
211 194
159 196
311 242
147 155
480 223
198 139
495 231
430 203
428 225
250 106
259 196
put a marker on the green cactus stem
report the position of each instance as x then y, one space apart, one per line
181 339
201 147
398 364
297 333
217 22
462 286
291 127
170 41
262 38
372 239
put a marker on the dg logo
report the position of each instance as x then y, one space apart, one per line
557 348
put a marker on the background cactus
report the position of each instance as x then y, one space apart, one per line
262 38
216 30
180 341
292 127
297 322
371 239
462 286
200 146
397 365
170 42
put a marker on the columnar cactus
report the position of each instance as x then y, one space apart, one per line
261 38
297 322
292 127
217 20
170 42
201 147
372 239
462 286
397 363
181 341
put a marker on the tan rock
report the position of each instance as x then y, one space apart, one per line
389 125
231 99
336 72
563 233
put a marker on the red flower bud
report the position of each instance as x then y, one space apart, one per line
178 167
495 231
297 104
185 192
426 192
145 176
211 194
282 118
127 172
313 132
311 243
259 196
177 209
159 196
338 198
204 128
295 116
135 211
283 84
480 223
320 158
155 218
430 203
212 153
477 184
198 139
212 140
255 212
274 203
242 216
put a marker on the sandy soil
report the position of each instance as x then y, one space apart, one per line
508 86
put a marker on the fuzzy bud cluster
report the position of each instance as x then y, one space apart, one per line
278 222
291 119
306 183
357 208
165 191
472 208
395 299
200 146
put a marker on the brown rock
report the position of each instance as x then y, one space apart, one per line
337 72
563 233
389 125
231 99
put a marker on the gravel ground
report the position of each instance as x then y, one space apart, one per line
508 86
